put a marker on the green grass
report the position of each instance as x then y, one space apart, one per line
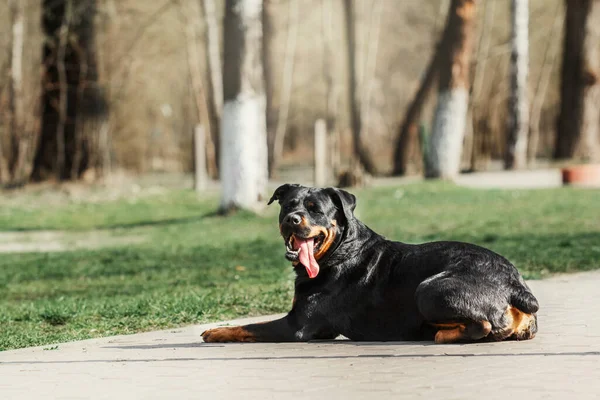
197 267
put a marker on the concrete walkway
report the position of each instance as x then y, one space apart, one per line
526 179
563 362
538 178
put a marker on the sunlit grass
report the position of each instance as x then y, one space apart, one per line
197 267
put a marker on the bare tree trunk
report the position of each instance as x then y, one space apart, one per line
16 101
23 106
473 133
487 117
88 103
286 84
579 119
360 151
518 127
542 86
370 68
74 98
63 84
409 130
243 168
92 157
451 112
408 134
82 82
269 71
215 73
99 140
4 127
195 71
331 94
4 171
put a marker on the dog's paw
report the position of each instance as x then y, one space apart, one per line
227 334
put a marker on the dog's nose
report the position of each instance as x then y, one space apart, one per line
293 219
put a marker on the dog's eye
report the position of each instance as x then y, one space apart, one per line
312 207
290 205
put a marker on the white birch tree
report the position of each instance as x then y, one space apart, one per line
453 93
16 99
243 162
518 110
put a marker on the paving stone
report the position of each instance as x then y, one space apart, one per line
563 361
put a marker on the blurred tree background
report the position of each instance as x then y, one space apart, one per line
92 87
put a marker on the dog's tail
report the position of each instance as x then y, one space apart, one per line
524 300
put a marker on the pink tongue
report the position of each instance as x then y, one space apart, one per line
307 257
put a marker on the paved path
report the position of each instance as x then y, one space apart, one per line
526 179
562 362
497 179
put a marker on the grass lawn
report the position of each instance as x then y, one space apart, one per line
195 267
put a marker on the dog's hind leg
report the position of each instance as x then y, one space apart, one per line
456 313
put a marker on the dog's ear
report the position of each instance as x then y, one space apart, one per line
281 191
346 202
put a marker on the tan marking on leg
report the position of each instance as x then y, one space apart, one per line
521 324
453 332
228 334
518 326
452 335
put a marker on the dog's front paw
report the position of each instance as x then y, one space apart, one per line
228 334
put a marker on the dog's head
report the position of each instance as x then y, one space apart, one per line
312 221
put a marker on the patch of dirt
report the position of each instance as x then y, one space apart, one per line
118 186
57 241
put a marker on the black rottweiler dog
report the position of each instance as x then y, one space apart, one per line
352 281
